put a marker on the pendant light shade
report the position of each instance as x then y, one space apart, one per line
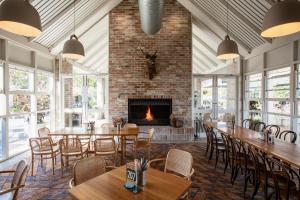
20 17
227 49
73 49
282 19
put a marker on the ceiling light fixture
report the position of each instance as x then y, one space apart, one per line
20 17
282 19
73 49
228 48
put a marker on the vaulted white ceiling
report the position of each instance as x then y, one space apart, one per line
208 24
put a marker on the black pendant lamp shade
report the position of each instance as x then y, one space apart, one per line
73 49
227 49
282 19
20 17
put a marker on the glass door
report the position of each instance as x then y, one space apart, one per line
214 97
84 99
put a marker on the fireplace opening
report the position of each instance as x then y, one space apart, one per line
149 111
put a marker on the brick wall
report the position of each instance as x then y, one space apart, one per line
127 65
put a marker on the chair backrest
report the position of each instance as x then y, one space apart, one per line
179 162
275 130
70 145
259 126
107 125
104 144
207 118
43 132
88 168
40 143
130 125
288 136
247 123
19 176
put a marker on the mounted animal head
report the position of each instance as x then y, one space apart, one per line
151 64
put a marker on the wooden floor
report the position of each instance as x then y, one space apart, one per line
208 182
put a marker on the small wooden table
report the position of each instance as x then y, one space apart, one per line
283 150
110 186
67 132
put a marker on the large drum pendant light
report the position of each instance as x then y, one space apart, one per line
20 17
73 49
282 19
228 48
151 13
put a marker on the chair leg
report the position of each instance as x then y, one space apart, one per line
211 152
149 151
32 163
53 156
257 184
217 158
62 166
42 161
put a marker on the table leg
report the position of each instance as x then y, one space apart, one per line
122 149
67 157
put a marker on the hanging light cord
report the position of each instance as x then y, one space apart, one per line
74 17
227 25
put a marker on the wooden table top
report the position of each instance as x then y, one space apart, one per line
110 186
98 131
283 150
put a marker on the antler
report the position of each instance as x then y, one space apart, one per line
142 51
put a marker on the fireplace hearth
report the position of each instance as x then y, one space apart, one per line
149 111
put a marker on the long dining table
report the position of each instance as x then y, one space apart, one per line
283 150
103 131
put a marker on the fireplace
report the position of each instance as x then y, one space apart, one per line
149 111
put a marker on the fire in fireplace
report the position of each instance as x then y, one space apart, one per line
149 111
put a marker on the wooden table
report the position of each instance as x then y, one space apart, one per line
110 186
288 152
78 131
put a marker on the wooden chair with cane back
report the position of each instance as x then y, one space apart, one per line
106 146
18 181
143 141
88 168
179 163
43 147
71 147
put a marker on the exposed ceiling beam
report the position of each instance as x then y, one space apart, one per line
205 45
86 24
213 24
204 60
196 69
199 68
197 59
23 42
244 19
197 49
271 2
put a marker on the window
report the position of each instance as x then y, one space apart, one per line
1 78
253 97
44 83
20 80
20 103
278 97
2 138
20 130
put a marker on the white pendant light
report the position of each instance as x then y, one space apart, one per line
73 49
282 19
20 17
228 48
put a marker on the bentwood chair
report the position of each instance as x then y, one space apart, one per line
144 142
130 139
106 146
274 174
178 162
207 131
71 147
44 132
259 126
18 181
275 130
218 146
87 169
43 147
290 136
247 123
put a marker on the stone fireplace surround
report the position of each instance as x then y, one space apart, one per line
127 65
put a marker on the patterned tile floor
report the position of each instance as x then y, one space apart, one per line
208 182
